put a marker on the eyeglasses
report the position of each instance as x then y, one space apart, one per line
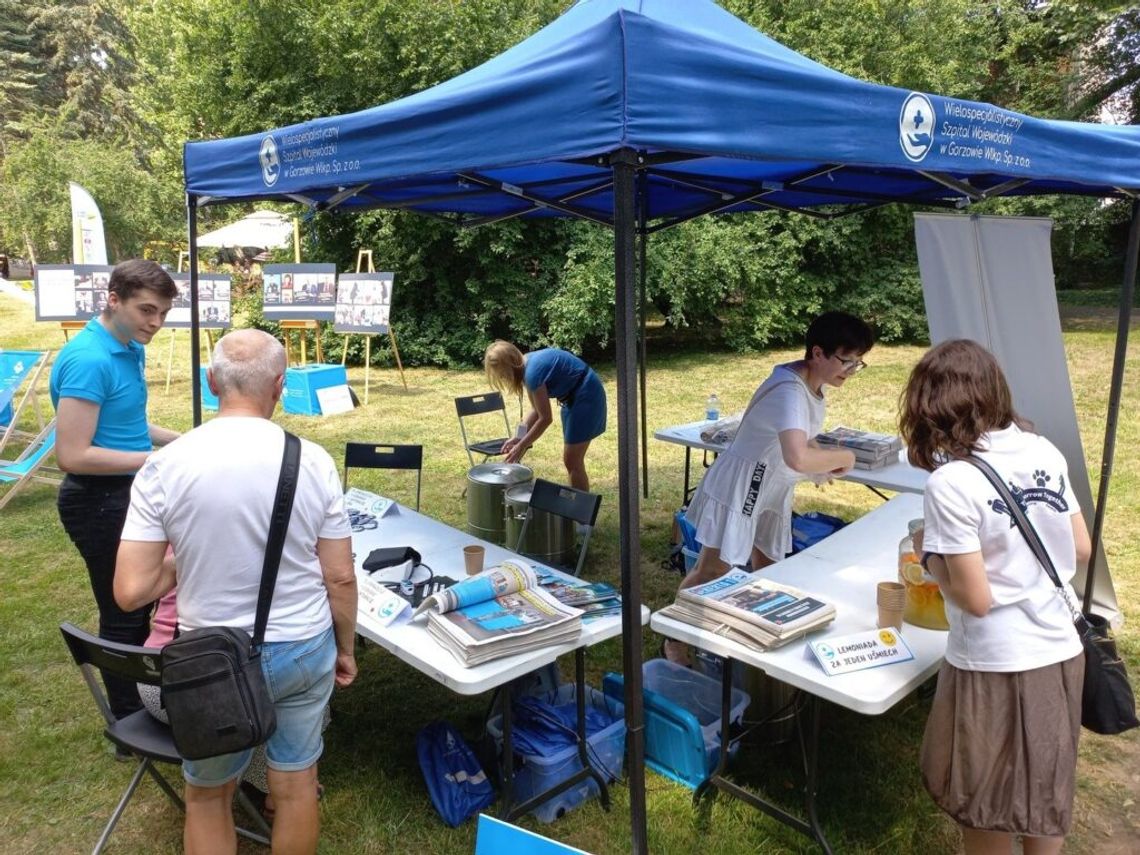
850 366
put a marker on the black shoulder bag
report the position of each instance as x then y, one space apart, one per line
1107 703
212 685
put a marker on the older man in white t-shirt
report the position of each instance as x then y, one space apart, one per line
210 495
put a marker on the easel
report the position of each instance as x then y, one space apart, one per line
69 327
368 336
300 327
183 254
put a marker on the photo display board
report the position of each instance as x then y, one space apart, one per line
363 301
71 292
213 302
298 292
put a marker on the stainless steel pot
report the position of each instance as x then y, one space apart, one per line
549 538
486 484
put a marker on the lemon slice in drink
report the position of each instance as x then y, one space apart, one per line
912 573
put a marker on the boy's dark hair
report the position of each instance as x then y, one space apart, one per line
130 277
835 331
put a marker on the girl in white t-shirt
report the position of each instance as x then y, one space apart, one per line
742 510
1000 750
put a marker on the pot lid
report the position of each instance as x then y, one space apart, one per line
503 474
520 493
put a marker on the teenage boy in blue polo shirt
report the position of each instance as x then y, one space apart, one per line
98 388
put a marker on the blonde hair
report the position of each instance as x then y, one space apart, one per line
503 363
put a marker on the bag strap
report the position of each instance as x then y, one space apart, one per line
278 523
1025 527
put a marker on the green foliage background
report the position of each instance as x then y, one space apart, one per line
106 94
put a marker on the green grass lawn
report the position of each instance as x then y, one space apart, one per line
58 782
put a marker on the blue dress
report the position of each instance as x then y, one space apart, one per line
576 387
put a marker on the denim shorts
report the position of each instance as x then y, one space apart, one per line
300 677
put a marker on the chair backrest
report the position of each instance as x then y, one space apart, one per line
567 502
475 405
367 455
140 664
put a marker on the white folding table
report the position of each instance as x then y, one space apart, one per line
843 569
899 477
441 548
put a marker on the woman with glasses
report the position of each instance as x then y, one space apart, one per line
742 510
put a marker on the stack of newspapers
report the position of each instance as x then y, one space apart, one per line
872 450
500 612
751 610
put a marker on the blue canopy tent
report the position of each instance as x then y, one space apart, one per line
641 114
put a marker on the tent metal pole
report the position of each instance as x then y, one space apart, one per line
642 237
1124 318
625 337
195 340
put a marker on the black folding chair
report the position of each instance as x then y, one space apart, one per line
567 502
477 405
140 733
364 455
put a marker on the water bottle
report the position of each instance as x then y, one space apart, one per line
712 408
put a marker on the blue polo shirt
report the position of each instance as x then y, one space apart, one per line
95 366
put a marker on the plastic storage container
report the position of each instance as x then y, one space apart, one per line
605 752
924 605
682 719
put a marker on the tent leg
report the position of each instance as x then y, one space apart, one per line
195 337
624 164
1127 290
643 237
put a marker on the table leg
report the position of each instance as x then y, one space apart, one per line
688 460
809 749
511 811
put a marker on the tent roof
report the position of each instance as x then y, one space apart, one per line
260 230
724 118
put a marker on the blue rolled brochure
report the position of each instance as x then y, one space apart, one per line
496 613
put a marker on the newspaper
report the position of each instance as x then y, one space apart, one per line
869 448
500 612
749 602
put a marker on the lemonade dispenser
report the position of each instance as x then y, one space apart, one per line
924 606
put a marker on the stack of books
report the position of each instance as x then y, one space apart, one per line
872 450
499 612
751 610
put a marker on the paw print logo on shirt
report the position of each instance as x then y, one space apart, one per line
1041 477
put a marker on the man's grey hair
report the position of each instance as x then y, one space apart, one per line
247 362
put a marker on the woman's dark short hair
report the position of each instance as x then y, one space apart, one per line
956 393
130 277
835 331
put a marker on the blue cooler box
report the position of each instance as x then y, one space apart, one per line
302 383
682 719
605 752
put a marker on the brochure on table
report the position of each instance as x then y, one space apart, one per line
363 302
861 650
213 302
71 292
298 292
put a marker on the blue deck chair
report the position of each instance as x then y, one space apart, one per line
18 367
493 836
30 465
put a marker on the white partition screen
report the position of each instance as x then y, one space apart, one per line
990 279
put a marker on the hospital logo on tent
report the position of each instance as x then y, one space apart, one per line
270 164
916 126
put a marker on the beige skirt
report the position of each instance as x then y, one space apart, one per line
1000 749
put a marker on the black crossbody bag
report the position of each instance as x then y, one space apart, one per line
1107 703
212 686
